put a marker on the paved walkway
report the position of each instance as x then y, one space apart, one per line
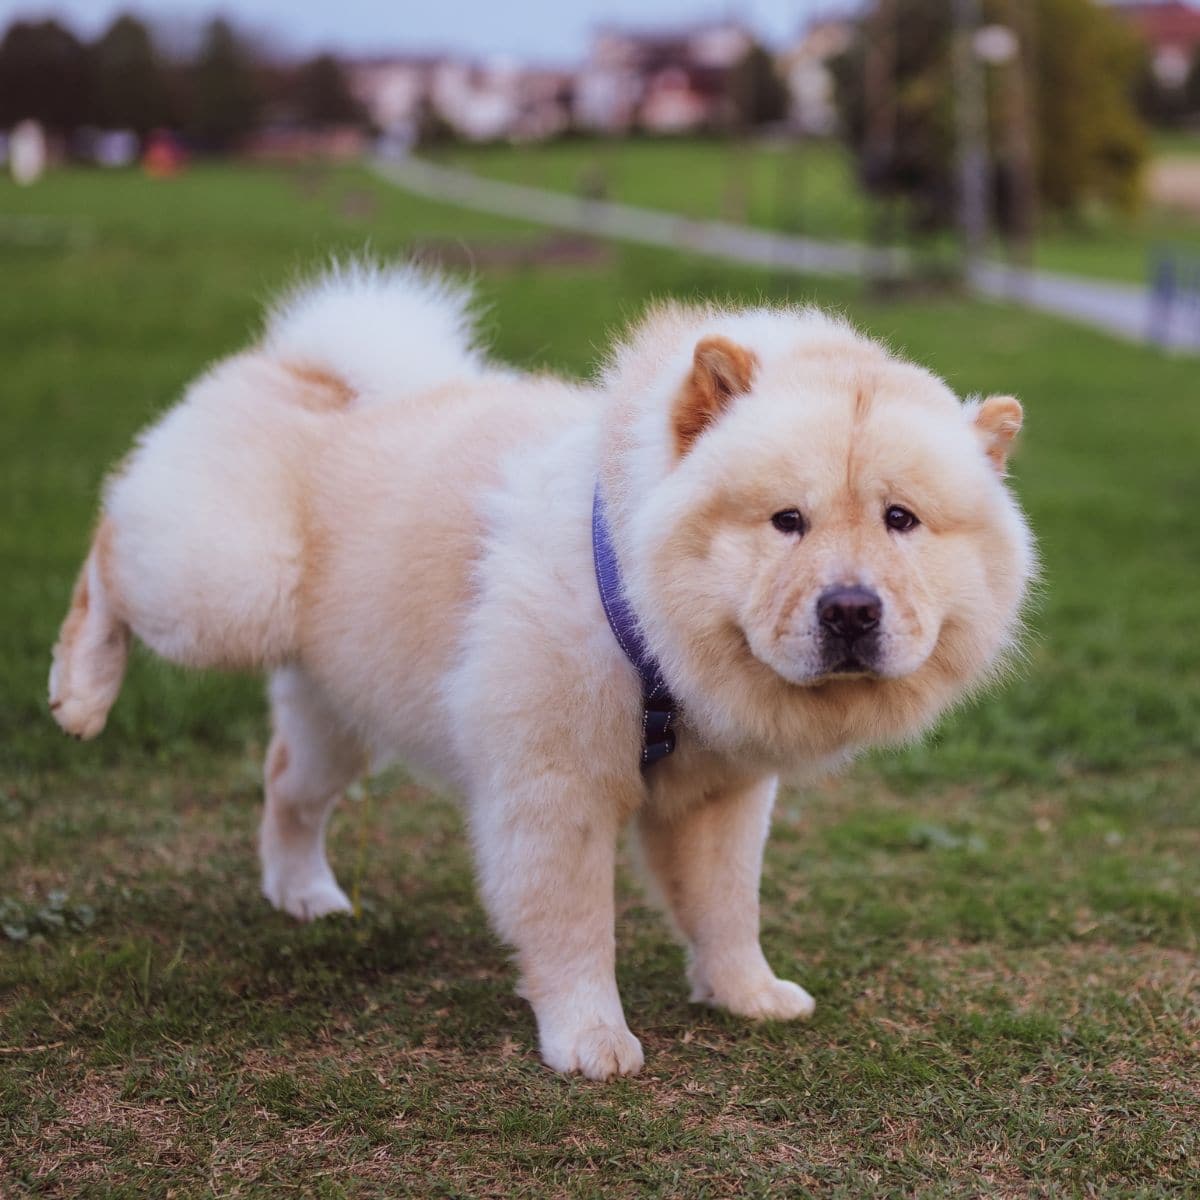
1124 309
1121 309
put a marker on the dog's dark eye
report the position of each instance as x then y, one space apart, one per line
900 519
789 520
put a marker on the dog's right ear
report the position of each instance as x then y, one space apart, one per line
998 421
721 370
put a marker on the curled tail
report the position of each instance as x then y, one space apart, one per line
202 546
384 333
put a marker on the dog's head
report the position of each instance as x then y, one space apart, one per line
816 535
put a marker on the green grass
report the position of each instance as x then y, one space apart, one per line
1177 143
1000 925
810 189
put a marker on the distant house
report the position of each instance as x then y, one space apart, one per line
545 98
481 102
806 70
393 91
675 82
667 82
1171 30
609 85
675 100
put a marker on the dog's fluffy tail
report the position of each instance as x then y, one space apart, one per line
383 332
202 547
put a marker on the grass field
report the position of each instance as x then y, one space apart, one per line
810 189
1000 925
1177 144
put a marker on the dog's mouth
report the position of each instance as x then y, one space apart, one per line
852 665
846 670
855 657
837 668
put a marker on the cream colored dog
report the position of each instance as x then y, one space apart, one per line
814 535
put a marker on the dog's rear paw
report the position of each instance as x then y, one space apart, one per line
600 1052
89 657
82 693
774 1000
307 901
79 714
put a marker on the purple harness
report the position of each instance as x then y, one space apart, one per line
658 705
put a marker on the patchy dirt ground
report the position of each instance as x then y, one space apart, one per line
1175 183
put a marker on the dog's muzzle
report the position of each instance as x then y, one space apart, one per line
849 618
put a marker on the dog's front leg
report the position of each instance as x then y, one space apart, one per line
546 852
707 861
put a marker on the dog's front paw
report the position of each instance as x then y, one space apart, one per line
770 1000
308 900
599 1052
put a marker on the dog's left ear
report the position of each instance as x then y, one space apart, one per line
721 370
998 420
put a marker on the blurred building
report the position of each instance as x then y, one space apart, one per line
609 86
806 68
479 102
1171 31
546 97
660 82
393 92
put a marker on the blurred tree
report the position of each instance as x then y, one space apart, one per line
322 94
757 92
1157 102
1191 89
433 130
899 116
1087 140
44 75
131 88
225 100
1090 142
757 96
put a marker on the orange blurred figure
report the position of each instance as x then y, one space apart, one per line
163 156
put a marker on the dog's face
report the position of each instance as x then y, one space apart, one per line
834 538
845 544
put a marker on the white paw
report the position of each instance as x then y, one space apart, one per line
774 1000
77 713
599 1052
306 900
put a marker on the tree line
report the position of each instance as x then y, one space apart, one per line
1064 99
125 80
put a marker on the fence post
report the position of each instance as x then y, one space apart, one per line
1162 295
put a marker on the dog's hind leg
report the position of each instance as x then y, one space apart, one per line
92 648
312 757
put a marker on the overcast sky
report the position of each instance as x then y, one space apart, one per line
535 30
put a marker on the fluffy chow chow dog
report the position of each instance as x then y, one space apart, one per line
762 542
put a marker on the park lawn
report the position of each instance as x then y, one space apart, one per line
1107 245
999 925
806 189
810 189
1176 143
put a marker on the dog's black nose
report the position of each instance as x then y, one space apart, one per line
849 612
